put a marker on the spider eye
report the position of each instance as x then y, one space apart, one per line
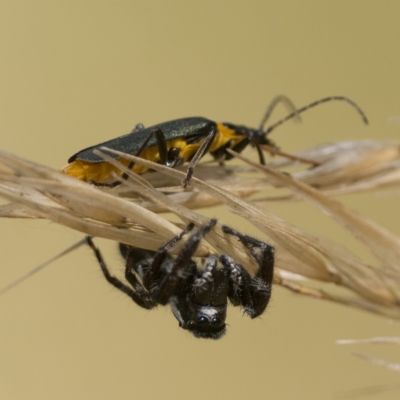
202 320
215 321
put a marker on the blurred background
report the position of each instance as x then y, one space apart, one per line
73 74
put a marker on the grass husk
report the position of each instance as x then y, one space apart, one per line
131 213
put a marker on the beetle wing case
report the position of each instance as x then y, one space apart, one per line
187 128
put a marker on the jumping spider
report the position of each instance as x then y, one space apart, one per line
198 298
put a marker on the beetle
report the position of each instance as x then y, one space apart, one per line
198 297
183 140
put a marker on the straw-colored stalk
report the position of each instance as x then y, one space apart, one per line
131 213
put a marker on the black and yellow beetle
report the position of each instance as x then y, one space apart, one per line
182 140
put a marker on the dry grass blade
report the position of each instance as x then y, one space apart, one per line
378 361
42 266
386 246
75 204
349 167
382 243
347 301
53 195
336 262
346 167
222 242
375 340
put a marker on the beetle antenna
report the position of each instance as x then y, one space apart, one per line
275 101
41 266
316 103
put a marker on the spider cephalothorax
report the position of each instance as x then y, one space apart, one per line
198 297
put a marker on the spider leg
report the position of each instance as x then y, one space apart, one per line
160 256
241 291
138 294
171 278
252 293
206 277
211 286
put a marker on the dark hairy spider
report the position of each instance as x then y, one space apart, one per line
198 297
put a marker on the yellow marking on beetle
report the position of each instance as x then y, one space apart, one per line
101 172
225 135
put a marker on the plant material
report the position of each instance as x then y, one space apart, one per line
130 213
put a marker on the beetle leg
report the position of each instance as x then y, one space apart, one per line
162 148
260 153
138 127
199 153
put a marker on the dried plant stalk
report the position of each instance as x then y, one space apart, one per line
129 213
374 340
378 361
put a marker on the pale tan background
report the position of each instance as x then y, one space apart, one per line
74 73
